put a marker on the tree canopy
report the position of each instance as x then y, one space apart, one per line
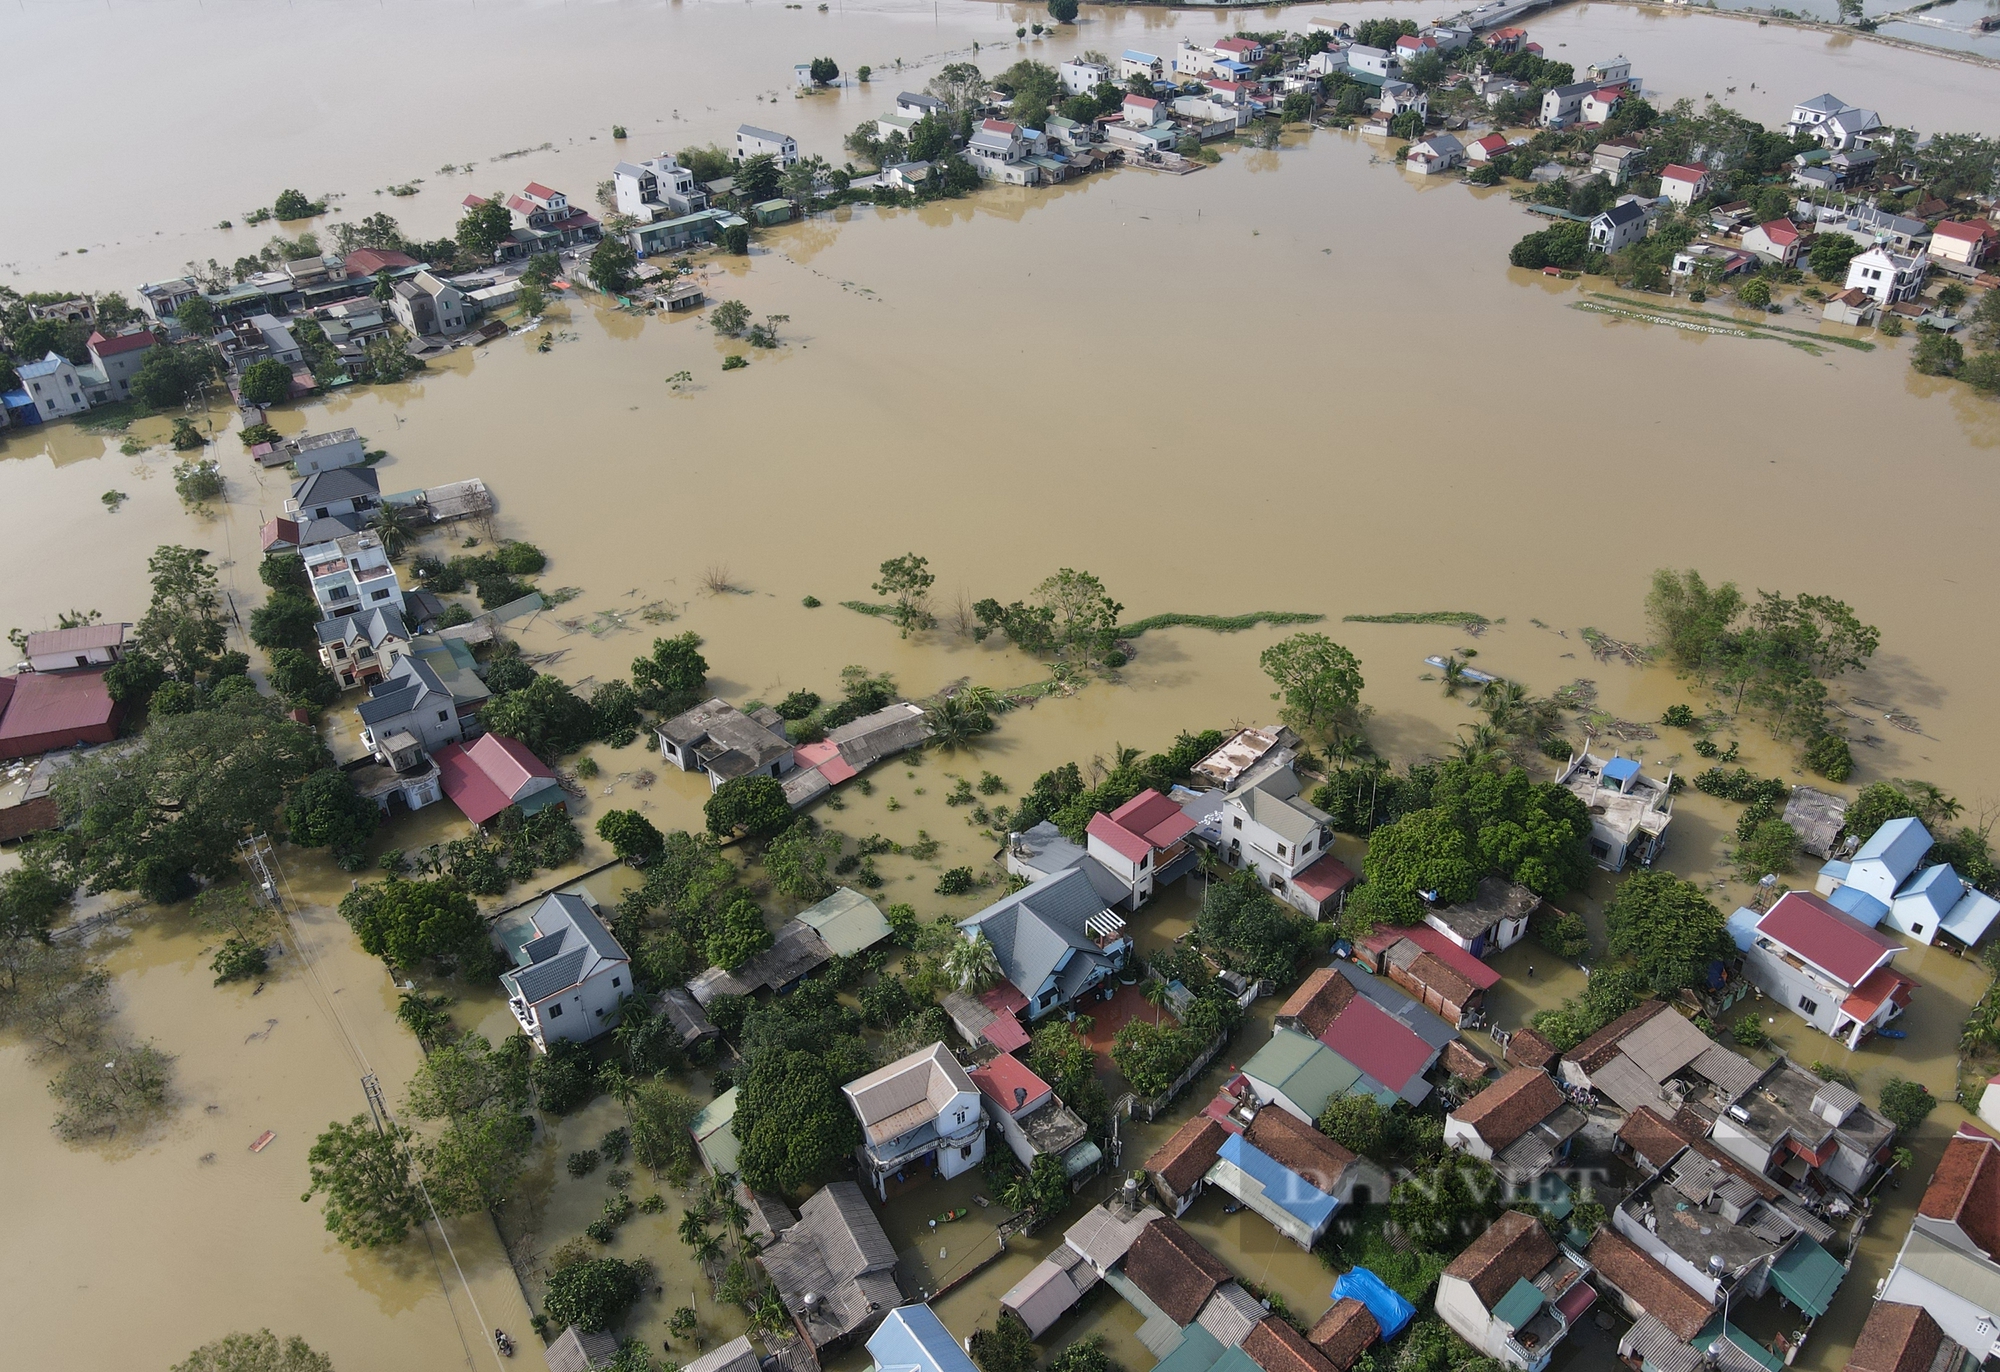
366 1176
258 1352
1670 930
182 628
409 923
266 382
794 1124
326 812
484 227
673 676
754 806
1318 680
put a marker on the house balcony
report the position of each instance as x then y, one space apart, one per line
525 1015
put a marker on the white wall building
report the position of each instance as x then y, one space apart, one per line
752 141
570 977
920 1111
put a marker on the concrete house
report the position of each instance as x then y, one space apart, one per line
921 1111
1080 77
1143 844
1299 1073
1294 1176
1619 159
341 490
1400 97
163 299
1178 1168
998 152
1795 1128
1669 1320
1886 882
1826 967
1948 1263
352 573
494 773
1563 105
835 1269
1263 823
87 645
427 305
1133 63
41 712
311 454
414 700
1380 63
911 1339
1600 104
1685 183
1629 811
360 648
1522 1124
1808 115
1849 129
1495 918
1962 245
1032 1118
1480 151
570 976
1889 278
1440 153
1056 940
1780 241
656 188
1618 228
117 360
1514 1291
1651 1057
752 141
55 385
717 738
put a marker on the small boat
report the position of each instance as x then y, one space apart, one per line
1467 674
948 1216
263 1140
1892 1033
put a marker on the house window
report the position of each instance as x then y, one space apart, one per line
965 1152
555 1012
1238 823
1916 931
616 981
1807 1004
443 715
1145 862
1281 850
1277 883
378 595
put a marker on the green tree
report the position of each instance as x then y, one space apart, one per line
1063 11
824 71
631 836
1318 680
327 812
182 628
738 934
673 677
1426 71
286 620
1263 937
268 382
1444 1207
407 923
1670 930
1537 834
798 1127
1937 353
660 1116
1906 1103
31 896
284 572
425 1014
1007 1346
484 227
595 1294
612 263
302 679
292 204
757 177
907 580
1773 847
545 715
1427 851
172 376
1829 255
930 138
475 1162
1960 164
365 1174
196 316
258 1352
467 1076
754 806
797 859
1357 1124
1087 1353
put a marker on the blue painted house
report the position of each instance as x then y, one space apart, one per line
913 1339
1294 1206
1886 882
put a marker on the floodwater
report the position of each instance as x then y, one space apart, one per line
1296 381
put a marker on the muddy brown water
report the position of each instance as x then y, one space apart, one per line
1296 381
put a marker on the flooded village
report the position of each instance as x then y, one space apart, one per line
819 875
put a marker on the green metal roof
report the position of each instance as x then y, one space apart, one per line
847 921
1199 1351
1807 1275
1716 1329
1304 1070
1519 1305
714 1131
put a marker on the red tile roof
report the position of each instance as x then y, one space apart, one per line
1277 1347
1511 1106
1897 1338
1679 172
1965 1190
1154 818
120 343
1320 997
49 710
484 779
1513 1247
368 261
1237 45
1344 1332
280 533
1783 232
1118 838
1491 143
1001 1079
1647 1284
1325 879
1297 1146
1185 1158
1826 937
997 126
1174 1270
826 757
1527 1048
1609 92
473 202
1653 1137
536 188
1380 1045
1141 100
1884 983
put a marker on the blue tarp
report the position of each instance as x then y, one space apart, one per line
1390 1310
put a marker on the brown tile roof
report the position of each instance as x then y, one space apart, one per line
1293 1143
1511 1106
1897 1338
1513 1246
1173 1270
1653 1137
1344 1332
1526 1048
1965 1190
1277 1347
1185 1158
1429 970
1602 1046
1647 1285
1461 1061
1320 997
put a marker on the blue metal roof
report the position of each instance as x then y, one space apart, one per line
1282 1186
1971 917
913 1339
1743 927
1858 903
1938 887
1899 845
1134 55
1621 769
1836 870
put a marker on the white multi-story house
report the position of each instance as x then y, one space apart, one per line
1377 62
1629 811
657 188
1600 104
1055 939
921 1111
55 386
1948 1265
570 977
1685 183
1400 97
1829 968
1960 244
1080 77
425 304
1192 61
1271 829
352 573
1889 278
1617 71
336 491
998 152
1808 115
1619 227
1145 112
1563 105
414 704
1133 63
1143 844
752 141
1887 882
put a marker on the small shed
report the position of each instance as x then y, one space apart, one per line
1818 817
575 1350
847 922
714 1131
769 212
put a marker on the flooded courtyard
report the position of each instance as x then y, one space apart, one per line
1298 381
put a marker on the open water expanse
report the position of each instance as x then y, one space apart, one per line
1300 380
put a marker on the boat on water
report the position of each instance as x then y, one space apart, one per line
948 1216
1470 674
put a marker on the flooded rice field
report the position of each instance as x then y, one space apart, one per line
1298 381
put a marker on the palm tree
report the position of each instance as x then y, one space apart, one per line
1454 675
1479 745
396 525
1502 700
955 720
972 964
1155 992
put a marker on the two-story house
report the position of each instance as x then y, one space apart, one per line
920 1112
359 649
1133 63
313 453
1963 244
1563 105
1808 115
1143 843
1056 939
118 359
352 573
1619 159
1619 227
55 385
1032 1118
717 738
1080 76
416 699
752 141
998 152
657 188
1379 63
1514 1291
570 976
1272 829
1629 811
343 490
1950 1261
1826 967
1779 241
1889 278
425 304
163 299
1685 183
1794 1127
1600 104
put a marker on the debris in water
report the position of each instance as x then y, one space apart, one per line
207 1159
1580 694
263 1141
1606 648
